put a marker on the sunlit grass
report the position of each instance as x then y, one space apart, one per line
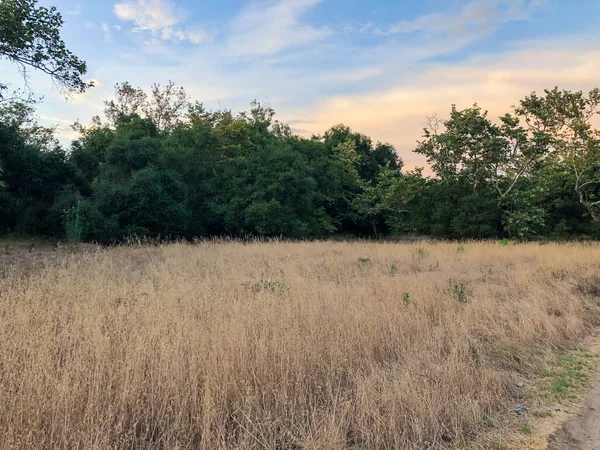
285 345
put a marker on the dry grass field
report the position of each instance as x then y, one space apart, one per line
285 345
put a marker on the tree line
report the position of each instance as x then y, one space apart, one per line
159 165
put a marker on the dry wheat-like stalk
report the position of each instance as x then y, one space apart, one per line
225 345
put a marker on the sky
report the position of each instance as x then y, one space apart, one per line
379 66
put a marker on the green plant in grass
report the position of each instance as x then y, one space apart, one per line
422 253
457 291
526 428
73 224
275 287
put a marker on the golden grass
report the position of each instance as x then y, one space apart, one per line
283 345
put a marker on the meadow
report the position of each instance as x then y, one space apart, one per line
320 345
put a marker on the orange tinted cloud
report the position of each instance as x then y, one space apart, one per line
496 82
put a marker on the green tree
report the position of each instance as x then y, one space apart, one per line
470 148
370 159
39 181
562 120
134 190
376 205
524 215
166 106
360 164
273 191
495 160
30 37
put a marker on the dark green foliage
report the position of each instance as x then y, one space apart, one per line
215 173
134 188
149 202
457 291
524 215
73 223
30 36
370 159
469 149
272 192
37 180
442 208
406 298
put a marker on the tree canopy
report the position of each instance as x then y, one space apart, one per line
30 37
151 167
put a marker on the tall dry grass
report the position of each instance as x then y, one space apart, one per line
282 345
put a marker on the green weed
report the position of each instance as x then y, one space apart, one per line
526 428
489 422
276 287
567 374
560 275
457 291
433 268
572 372
73 225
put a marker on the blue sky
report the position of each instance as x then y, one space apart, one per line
380 66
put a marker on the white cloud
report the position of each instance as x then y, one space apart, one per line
55 120
496 82
106 28
384 89
195 36
160 17
153 15
268 27
476 17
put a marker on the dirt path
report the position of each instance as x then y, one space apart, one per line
581 432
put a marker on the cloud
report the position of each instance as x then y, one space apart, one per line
383 86
268 27
496 82
195 36
75 12
160 17
56 120
476 17
153 15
